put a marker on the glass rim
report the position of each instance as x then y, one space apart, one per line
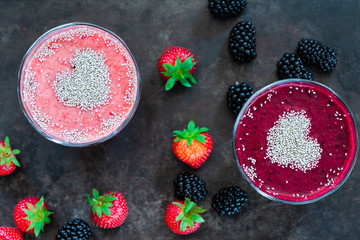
54 138
245 107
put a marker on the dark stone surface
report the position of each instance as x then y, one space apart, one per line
139 162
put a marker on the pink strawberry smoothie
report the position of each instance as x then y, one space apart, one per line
78 84
295 141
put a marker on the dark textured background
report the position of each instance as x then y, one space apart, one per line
139 162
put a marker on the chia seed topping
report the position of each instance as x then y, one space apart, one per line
87 85
89 88
289 144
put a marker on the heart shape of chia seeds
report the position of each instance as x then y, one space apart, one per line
289 143
87 85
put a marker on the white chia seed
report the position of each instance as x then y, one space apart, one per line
289 144
88 84
250 172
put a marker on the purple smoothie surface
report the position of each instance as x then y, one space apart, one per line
331 135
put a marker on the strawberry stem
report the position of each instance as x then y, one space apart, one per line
38 216
189 215
100 204
190 134
179 72
7 155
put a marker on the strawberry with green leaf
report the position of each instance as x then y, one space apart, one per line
177 64
192 145
108 210
8 162
9 233
183 217
31 215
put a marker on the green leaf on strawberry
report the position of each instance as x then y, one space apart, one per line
189 214
100 204
191 133
179 72
7 155
38 215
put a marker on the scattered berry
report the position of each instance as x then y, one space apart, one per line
108 210
229 200
191 186
177 64
76 229
313 52
8 159
8 233
242 42
31 215
237 95
227 8
291 66
183 217
192 145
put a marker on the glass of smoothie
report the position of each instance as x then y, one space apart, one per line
295 141
79 84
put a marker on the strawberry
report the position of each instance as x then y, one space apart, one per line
8 161
183 217
31 215
177 64
193 145
108 210
8 233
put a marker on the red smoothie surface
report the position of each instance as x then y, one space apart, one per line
327 147
78 84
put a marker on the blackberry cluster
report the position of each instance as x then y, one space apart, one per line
76 229
237 96
242 42
291 66
191 186
229 201
313 52
227 8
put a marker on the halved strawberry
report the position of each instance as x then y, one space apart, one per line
177 64
31 215
108 210
9 233
192 145
183 217
8 161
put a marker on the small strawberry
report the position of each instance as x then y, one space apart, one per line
9 233
193 145
177 64
108 210
31 215
183 217
8 161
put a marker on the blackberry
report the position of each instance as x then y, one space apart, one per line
191 186
227 8
229 201
237 96
76 229
313 52
291 66
242 42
